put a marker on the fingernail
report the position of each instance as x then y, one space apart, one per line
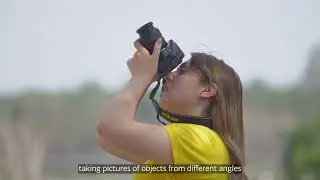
159 40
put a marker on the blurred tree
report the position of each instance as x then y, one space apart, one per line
302 154
17 113
258 85
90 87
312 73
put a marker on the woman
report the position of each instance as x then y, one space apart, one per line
203 86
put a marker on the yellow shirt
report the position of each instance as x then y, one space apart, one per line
192 144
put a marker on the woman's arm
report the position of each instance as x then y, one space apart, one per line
130 97
120 135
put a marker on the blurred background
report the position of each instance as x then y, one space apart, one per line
61 61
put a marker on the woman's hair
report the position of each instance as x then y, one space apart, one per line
225 108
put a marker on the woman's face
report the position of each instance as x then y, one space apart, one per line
180 89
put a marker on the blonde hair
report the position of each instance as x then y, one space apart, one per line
225 108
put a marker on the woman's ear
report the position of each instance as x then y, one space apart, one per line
208 90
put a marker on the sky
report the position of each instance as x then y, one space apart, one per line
54 45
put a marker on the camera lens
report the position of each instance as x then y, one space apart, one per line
145 29
149 35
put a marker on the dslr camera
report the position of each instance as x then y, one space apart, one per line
170 55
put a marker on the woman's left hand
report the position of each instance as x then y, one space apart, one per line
143 65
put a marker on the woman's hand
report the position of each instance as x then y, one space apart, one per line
118 132
142 65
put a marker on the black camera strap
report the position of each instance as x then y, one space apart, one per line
176 118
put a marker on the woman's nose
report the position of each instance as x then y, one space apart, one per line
169 76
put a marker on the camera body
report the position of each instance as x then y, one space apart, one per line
170 55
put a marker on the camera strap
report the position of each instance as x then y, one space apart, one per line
176 118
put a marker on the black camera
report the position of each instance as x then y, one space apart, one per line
170 55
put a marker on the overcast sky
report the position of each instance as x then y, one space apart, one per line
58 44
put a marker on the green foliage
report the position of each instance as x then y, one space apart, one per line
303 152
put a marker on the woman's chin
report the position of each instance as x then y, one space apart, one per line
164 102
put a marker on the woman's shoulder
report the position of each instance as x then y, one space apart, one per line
201 142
